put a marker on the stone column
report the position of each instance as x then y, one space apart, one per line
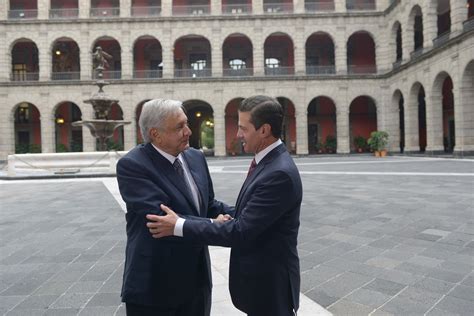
167 50
411 124
430 28
127 55
407 40
129 131
88 141
342 127
216 7
7 132
44 58
85 56
258 52
340 6
301 129
5 57
43 10
381 5
219 126
464 118
340 50
434 121
125 8
298 6
299 52
166 9
4 8
84 9
216 53
257 7
48 142
458 15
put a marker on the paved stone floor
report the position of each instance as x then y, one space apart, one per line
390 236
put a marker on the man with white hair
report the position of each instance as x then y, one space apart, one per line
168 276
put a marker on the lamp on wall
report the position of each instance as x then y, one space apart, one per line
198 114
59 120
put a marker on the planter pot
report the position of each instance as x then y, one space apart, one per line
359 150
383 153
377 153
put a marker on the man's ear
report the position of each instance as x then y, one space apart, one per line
154 134
266 130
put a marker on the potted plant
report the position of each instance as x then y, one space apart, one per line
377 142
360 143
331 144
319 147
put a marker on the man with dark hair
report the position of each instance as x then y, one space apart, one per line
264 264
167 277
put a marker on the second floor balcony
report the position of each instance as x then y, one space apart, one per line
192 73
24 76
22 14
237 8
318 6
360 5
243 72
105 12
65 76
280 71
203 9
63 13
146 11
320 70
148 74
277 8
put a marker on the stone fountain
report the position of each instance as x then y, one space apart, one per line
101 127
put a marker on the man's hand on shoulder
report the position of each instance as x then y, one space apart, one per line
162 226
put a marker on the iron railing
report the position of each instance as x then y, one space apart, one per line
280 71
192 73
70 75
441 39
320 70
468 25
361 69
317 6
146 11
204 9
63 13
418 52
109 75
148 74
236 8
22 14
360 5
25 76
105 12
244 72
272 8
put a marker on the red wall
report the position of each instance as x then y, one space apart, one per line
362 117
23 5
448 104
36 125
362 52
231 124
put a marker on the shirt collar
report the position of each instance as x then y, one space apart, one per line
260 155
169 157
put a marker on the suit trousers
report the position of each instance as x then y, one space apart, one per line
199 306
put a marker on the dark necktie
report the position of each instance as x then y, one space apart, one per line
178 167
253 165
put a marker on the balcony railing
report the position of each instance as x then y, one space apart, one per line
317 6
245 72
192 73
63 13
26 76
320 70
272 8
397 64
109 75
237 8
146 11
280 71
468 24
416 53
360 5
204 9
22 14
147 74
71 75
361 69
105 12
440 40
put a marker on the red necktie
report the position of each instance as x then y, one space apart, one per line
253 165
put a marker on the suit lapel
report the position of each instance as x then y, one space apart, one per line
167 169
260 166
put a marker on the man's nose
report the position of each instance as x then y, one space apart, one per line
188 130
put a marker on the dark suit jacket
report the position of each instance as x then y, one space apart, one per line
163 272
264 263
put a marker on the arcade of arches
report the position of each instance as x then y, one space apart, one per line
429 120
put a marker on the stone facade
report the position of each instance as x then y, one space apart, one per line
454 58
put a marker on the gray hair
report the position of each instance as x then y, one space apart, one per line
154 114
